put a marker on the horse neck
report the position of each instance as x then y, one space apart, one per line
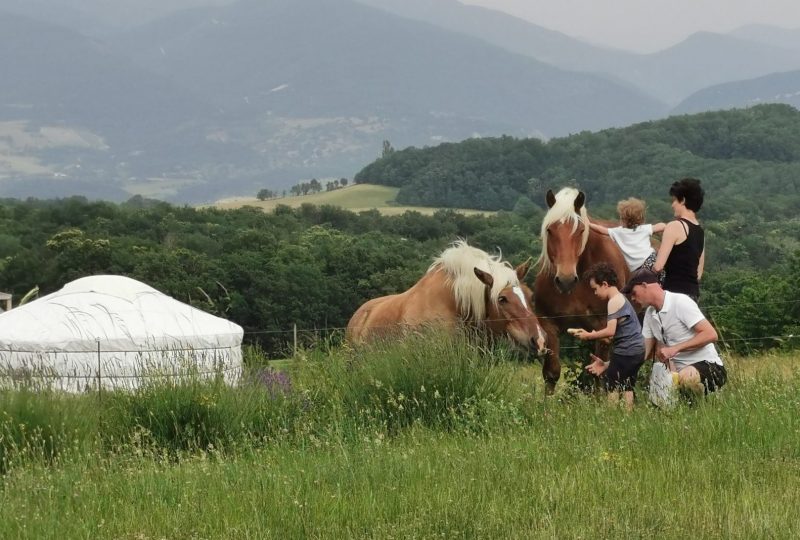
601 248
435 284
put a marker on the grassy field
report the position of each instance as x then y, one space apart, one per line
412 443
357 197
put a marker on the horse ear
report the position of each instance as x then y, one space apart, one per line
485 277
550 198
522 269
579 200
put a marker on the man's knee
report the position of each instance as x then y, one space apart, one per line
689 379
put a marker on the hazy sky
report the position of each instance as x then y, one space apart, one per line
647 25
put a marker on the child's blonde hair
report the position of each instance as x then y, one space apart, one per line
631 212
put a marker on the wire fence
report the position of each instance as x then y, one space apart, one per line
111 368
114 369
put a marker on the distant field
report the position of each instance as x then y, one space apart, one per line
159 187
356 198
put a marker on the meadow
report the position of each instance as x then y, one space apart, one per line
433 438
356 198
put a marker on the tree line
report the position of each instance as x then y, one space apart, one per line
303 188
313 266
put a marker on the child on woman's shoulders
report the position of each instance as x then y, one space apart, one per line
633 235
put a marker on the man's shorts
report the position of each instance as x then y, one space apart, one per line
713 376
622 371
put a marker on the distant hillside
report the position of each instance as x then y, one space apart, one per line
99 17
355 198
786 38
214 102
54 12
511 33
89 119
706 59
354 61
670 75
775 88
220 101
749 161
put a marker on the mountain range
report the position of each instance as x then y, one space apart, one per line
222 100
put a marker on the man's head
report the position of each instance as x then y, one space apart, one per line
643 286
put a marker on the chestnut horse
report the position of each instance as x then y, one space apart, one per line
463 286
564 300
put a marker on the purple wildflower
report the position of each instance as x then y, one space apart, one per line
277 383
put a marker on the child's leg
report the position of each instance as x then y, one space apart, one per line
627 395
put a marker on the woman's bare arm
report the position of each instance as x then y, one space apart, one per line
672 233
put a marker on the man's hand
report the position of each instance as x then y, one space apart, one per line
666 353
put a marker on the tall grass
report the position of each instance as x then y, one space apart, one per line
44 426
326 450
431 380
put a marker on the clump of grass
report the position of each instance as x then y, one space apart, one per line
44 426
433 379
196 414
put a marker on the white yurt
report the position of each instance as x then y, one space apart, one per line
114 332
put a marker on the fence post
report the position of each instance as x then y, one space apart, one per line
294 350
99 377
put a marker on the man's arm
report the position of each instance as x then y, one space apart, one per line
704 335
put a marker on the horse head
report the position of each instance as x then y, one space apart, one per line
509 312
565 232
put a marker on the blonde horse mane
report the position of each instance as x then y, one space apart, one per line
563 211
458 262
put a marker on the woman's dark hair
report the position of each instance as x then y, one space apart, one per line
689 192
601 272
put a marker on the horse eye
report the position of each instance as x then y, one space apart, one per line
502 299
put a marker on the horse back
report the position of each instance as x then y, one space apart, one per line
427 302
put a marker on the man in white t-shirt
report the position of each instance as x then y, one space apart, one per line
685 337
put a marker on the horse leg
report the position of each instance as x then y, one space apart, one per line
551 365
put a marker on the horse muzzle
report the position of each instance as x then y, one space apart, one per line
565 284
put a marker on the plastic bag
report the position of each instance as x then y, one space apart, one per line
663 391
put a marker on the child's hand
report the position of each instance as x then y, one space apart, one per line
579 333
597 367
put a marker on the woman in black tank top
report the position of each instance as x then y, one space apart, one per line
682 251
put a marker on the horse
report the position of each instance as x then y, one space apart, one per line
561 297
463 287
